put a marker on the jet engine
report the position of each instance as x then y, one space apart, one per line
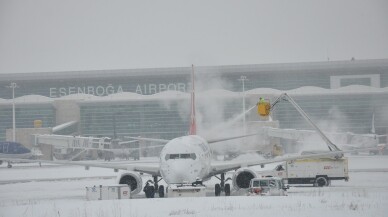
242 177
132 179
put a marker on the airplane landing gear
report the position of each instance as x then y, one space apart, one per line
159 189
222 187
150 190
9 165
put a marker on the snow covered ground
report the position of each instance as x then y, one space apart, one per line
60 191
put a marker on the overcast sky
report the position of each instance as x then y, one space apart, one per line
49 35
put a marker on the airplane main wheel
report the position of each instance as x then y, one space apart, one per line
9 165
217 190
227 189
161 191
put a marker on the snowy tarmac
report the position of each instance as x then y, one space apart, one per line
28 190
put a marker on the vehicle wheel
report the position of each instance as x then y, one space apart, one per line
9 165
321 181
217 190
161 191
227 189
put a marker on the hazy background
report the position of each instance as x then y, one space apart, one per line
49 35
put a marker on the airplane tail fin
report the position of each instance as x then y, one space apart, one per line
193 124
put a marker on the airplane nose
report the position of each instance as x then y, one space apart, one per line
180 172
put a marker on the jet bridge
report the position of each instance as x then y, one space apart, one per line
72 147
73 142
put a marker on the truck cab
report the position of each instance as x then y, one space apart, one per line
268 186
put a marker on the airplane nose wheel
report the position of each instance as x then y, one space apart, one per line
222 187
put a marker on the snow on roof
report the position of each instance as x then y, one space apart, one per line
169 94
78 96
32 99
130 96
264 91
218 93
359 89
121 96
309 90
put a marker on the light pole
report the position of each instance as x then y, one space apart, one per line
13 85
243 79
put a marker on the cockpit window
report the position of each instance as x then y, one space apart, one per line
184 156
174 156
181 156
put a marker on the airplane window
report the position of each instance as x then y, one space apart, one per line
184 156
180 156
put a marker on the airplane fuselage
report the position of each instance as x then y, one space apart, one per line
18 156
185 159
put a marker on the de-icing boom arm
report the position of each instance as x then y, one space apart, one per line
285 96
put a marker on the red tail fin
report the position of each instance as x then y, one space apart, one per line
193 124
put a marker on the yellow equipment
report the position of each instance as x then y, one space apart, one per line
263 107
38 123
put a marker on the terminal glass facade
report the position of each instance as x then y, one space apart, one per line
25 116
153 118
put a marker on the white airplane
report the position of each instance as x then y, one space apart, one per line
187 159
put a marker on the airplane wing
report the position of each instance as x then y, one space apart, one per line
221 167
118 149
152 169
148 139
210 141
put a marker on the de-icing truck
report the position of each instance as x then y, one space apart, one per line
318 172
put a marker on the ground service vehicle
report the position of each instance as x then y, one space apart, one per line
267 186
318 171
186 190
